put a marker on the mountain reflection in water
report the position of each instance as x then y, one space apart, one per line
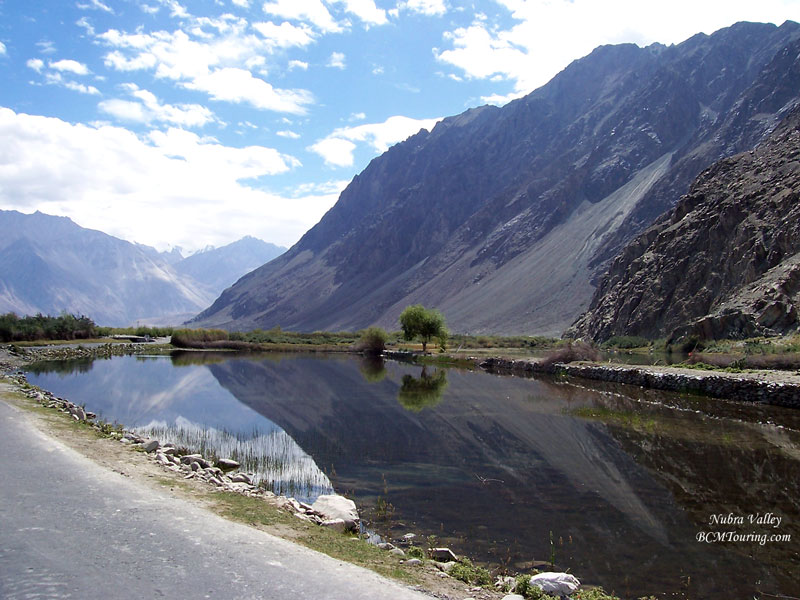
621 480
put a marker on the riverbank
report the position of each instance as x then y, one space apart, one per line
779 388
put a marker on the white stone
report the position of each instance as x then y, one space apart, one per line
337 524
513 597
336 507
563 584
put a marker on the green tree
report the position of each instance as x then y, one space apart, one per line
425 324
372 341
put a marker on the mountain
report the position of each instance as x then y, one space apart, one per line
219 268
505 218
49 264
724 263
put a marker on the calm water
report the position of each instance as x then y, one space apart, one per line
612 482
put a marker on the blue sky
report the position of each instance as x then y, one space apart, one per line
189 123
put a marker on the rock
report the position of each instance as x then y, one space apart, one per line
337 524
195 466
188 459
337 507
241 478
413 562
562 584
513 597
397 552
227 464
385 546
150 445
409 536
442 555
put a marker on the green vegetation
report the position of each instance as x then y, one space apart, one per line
372 341
465 571
417 393
626 342
193 338
417 321
41 327
473 342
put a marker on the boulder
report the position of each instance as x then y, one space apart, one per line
443 555
332 506
241 478
413 562
513 597
562 584
150 445
227 464
337 524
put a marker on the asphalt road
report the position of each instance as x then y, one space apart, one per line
72 529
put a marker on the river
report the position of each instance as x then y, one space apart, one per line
640 491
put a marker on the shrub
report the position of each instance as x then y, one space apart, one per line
465 571
197 338
372 341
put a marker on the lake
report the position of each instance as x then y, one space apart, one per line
643 492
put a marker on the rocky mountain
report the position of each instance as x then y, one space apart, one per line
49 264
219 268
724 263
505 218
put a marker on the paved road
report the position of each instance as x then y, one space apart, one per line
72 529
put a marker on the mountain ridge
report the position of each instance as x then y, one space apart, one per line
503 217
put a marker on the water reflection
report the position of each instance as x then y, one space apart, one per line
619 479
425 391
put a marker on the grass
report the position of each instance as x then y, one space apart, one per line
347 547
629 420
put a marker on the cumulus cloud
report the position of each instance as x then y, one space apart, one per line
337 60
239 85
146 108
288 134
298 64
425 7
69 66
311 11
192 185
337 148
218 64
364 10
36 64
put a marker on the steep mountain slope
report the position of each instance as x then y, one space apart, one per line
503 217
49 264
724 263
219 268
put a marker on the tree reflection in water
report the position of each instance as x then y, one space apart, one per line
425 391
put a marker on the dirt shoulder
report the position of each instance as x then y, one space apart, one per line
261 513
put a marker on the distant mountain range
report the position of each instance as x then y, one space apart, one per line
506 218
724 263
49 264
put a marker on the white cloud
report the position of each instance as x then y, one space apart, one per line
95 5
150 10
298 64
242 3
80 87
312 11
285 35
337 61
70 66
338 147
35 64
219 66
291 135
2 48
364 10
425 7
549 34
84 22
357 117
239 85
192 185
335 151
46 47
147 108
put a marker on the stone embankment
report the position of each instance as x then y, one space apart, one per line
761 387
331 511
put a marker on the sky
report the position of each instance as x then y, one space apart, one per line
196 122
